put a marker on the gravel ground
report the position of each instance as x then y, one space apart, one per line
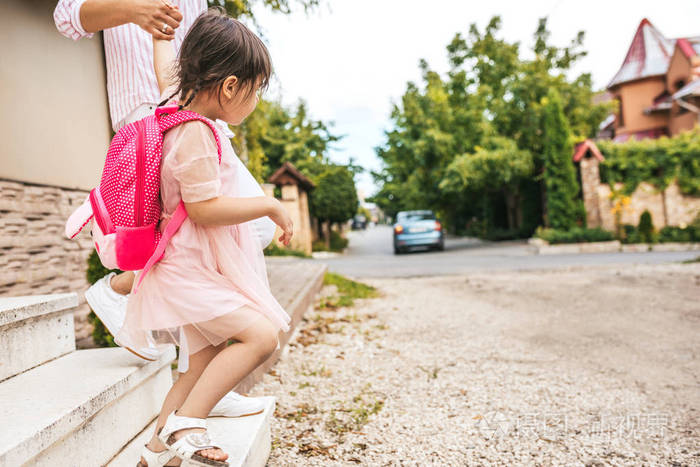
585 366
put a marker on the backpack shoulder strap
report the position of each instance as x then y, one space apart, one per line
169 117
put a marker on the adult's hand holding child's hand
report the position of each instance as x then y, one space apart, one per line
280 217
153 15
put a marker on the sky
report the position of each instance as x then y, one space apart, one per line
350 60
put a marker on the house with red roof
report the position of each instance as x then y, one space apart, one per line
657 91
657 88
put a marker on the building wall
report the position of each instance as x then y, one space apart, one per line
681 121
54 141
57 132
678 69
637 96
35 257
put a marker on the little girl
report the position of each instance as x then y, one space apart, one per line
211 284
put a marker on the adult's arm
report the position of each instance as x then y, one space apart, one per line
81 18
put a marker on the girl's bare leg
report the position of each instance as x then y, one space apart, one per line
121 283
181 388
254 345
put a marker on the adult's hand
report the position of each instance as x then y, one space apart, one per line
150 15
153 15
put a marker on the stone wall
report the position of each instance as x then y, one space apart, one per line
667 207
35 256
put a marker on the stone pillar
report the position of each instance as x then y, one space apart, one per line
290 201
590 180
305 225
269 189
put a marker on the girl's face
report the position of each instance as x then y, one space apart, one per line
237 103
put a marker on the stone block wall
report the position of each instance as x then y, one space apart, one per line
667 207
35 256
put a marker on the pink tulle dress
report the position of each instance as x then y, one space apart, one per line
212 281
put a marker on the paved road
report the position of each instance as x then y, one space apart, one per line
370 254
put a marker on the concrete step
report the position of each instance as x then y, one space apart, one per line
34 330
245 439
80 409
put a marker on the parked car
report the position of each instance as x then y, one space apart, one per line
417 228
359 222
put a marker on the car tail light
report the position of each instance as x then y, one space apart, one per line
398 229
438 226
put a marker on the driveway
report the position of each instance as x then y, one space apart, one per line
370 254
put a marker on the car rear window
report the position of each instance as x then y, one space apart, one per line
416 216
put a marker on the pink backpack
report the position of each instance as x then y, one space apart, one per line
126 206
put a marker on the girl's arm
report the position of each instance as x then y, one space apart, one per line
163 60
225 210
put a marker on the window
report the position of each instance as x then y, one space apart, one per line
679 84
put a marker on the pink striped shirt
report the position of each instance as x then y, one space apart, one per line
131 80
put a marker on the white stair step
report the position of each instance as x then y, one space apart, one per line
80 409
245 439
34 330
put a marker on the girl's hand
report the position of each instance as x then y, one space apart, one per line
280 217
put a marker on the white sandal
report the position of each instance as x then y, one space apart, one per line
186 447
155 459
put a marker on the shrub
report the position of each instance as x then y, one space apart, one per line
656 161
573 235
646 228
96 271
679 234
630 234
274 250
507 234
691 233
338 243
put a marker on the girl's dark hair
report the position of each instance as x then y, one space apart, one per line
216 47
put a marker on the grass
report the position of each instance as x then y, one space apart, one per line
323 371
348 291
431 373
274 250
354 415
302 411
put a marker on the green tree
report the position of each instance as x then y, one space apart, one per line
489 92
244 8
334 199
273 135
498 167
562 203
